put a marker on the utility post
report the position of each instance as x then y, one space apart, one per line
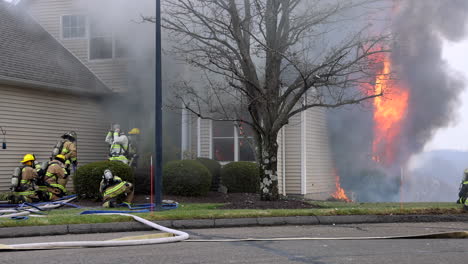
158 114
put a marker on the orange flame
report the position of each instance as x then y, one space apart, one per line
389 113
339 194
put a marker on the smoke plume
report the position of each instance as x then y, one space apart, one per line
420 27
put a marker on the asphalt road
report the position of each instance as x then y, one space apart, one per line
317 251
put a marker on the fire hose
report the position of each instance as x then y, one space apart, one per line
171 235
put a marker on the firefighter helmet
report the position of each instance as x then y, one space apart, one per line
134 131
60 157
108 175
28 157
70 135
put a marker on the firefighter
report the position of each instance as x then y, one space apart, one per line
114 190
118 144
133 139
69 151
463 194
23 182
56 178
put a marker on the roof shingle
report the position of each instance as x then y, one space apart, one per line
29 53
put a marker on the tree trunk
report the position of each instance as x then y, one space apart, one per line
268 162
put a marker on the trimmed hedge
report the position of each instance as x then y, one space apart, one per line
242 176
186 178
215 169
87 178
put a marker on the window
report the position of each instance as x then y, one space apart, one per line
232 143
73 26
104 44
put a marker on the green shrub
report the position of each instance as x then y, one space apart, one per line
186 178
215 169
87 178
242 176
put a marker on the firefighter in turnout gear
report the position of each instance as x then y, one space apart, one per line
56 178
133 138
23 182
69 150
118 145
114 190
463 194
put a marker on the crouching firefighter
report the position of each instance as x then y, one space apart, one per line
463 194
114 190
23 182
56 178
118 144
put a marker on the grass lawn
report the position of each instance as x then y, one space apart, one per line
208 211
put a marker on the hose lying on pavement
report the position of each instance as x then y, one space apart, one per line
457 234
177 236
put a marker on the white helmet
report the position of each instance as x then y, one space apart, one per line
108 175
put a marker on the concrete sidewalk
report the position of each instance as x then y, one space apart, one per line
28 231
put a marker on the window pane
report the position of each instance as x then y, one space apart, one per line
223 149
100 48
245 130
246 150
81 32
74 21
66 33
66 21
223 129
74 32
120 48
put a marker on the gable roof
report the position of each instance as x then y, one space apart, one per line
29 55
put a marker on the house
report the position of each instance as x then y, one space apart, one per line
305 166
45 90
100 43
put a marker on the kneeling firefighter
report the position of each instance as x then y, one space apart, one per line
463 194
56 178
23 182
114 190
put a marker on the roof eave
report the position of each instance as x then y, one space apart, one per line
52 87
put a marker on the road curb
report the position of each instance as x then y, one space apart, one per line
29 231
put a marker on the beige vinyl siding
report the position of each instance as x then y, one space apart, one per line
35 120
320 179
292 145
205 138
48 13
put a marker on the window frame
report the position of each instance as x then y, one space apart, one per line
86 27
236 136
113 40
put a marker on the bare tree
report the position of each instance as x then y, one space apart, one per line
262 57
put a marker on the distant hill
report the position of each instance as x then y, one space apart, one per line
435 175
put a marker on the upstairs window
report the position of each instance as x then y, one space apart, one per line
100 41
73 26
104 43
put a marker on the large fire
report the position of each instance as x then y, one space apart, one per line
389 112
339 193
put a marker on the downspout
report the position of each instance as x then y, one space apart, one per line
283 155
198 137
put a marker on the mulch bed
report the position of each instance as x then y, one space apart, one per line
243 201
231 201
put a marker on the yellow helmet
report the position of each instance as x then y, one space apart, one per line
28 157
134 131
60 156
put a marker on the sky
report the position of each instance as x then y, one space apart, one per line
455 137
